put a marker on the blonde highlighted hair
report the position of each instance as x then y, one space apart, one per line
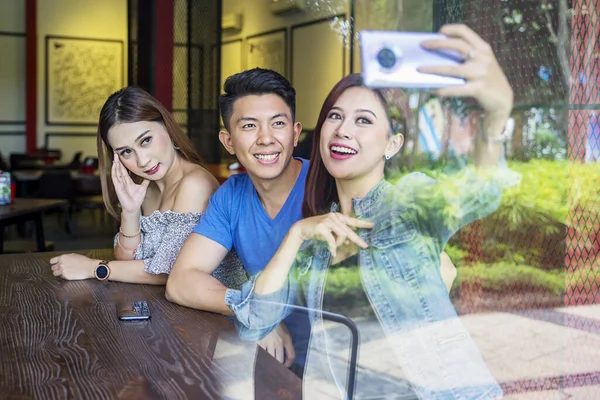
130 105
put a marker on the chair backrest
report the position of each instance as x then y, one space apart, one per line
77 157
17 159
45 152
75 162
354 339
88 185
56 184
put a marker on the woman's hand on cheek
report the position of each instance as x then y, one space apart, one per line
73 266
333 228
485 80
131 195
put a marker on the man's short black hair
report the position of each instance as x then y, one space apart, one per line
257 81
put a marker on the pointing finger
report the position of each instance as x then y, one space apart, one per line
357 223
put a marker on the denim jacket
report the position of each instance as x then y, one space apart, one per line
413 221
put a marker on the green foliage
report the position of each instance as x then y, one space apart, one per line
344 285
499 277
456 254
584 185
548 190
529 225
343 280
541 198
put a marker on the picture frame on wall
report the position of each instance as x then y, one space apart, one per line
268 50
13 67
81 73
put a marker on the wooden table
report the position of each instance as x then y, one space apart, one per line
62 339
22 210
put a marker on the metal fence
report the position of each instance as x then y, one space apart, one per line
550 52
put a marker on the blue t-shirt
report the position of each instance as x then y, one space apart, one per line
236 218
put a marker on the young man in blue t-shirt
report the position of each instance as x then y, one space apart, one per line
251 212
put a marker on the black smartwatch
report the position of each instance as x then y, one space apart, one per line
102 271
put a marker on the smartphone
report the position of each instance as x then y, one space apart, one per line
390 60
134 311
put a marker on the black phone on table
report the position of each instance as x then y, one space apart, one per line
133 311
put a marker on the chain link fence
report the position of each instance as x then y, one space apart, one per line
539 252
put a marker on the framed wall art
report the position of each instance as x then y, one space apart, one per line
80 75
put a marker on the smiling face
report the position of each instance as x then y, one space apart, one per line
355 136
262 135
144 148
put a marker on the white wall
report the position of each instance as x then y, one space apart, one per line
99 19
12 77
317 57
257 18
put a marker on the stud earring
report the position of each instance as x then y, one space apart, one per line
387 156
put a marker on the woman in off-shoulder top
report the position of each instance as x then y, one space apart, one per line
154 183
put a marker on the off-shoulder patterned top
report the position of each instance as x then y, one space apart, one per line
163 235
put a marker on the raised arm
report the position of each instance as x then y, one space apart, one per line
452 202
129 236
191 199
485 82
131 197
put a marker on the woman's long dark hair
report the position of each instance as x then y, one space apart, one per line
129 105
320 191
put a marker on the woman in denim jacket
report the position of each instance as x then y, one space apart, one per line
395 233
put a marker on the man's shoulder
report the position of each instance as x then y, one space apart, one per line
234 185
305 162
304 172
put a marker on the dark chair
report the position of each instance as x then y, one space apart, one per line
46 153
75 163
21 161
58 184
88 194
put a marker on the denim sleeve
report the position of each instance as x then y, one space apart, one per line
446 204
257 315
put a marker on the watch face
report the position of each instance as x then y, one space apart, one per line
101 271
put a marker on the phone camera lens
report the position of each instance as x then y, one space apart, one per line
386 57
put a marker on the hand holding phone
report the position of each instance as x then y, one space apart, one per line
439 61
133 311
391 60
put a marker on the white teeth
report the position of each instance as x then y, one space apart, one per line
266 157
340 149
